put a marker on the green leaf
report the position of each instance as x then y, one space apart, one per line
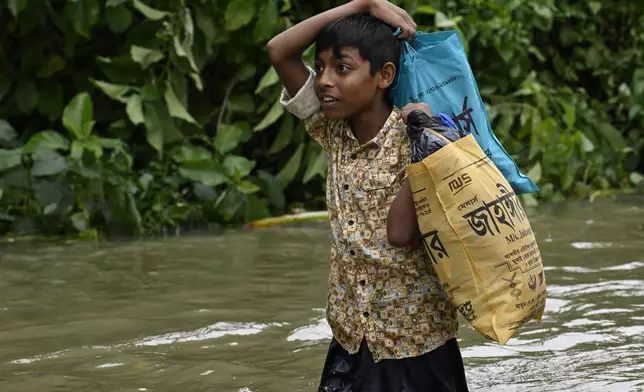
108 143
227 138
595 6
183 43
246 72
270 78
53 64
115 3
134 109
118 18
442 21
80 221
78 116
612 135
569 116
189 152
77 150
149 12
255 209
636 178
209 172
247 187
7 133
51 100
586 145
114 91
568 176
271 117
265 26
237 165
145 56
426 9
161 130
175 107
17 6
238 14
289 171
242 104
206 25
48 163
284 135
316 166
568 35
150 92
46 141
638 82
82 15
229 206
10 158
535 173
504 124
27 97
272 189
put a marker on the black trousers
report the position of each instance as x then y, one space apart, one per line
440 370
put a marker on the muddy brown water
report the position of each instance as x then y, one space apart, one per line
243 312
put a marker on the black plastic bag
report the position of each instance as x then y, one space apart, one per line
424 143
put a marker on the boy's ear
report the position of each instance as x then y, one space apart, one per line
387 75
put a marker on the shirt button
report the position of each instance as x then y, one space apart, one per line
362 282
366 314
350 223
346 187
354 156
352 252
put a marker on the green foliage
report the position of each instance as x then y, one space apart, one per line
132 116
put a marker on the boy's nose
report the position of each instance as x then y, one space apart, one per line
325 80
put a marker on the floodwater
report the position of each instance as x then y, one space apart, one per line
243 312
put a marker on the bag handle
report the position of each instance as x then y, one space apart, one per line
439 135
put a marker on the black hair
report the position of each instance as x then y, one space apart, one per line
374 40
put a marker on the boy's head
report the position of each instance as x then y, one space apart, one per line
356 62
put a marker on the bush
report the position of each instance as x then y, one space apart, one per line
122 118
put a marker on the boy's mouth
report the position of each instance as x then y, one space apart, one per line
328 99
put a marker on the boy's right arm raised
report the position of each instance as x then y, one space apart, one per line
286 49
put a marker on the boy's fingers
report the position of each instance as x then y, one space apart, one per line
409 20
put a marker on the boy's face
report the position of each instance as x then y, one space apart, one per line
344 84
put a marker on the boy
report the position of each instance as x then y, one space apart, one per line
393 327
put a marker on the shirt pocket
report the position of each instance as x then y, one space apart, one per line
377 190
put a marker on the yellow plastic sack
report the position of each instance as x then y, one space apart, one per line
478 237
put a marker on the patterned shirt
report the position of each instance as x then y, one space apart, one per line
389 296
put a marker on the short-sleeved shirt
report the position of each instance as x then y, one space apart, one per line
390 296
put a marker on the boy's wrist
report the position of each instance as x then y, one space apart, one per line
365 5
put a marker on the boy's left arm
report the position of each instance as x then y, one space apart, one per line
402 224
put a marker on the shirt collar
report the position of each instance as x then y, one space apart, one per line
381 136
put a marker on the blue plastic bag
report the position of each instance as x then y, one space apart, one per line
434 70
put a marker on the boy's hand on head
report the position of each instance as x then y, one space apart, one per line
404 112
393 16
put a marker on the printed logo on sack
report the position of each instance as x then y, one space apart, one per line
460 183
467 311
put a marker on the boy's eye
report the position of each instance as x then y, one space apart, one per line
317 68
342 68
